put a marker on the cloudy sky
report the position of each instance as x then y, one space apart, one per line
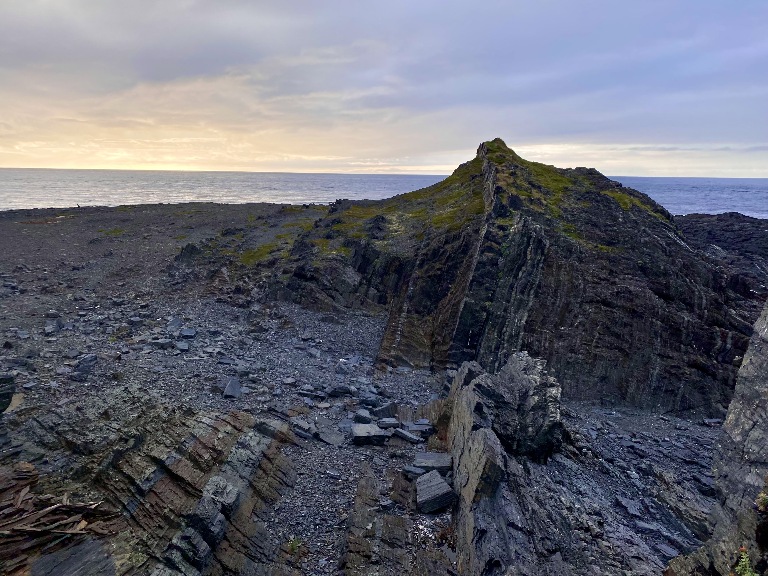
651 87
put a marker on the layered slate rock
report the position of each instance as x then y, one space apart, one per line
522 405
566 507
737 242
369 434
741 472
7 389
433 461
192 487
508 255
433 493
376 543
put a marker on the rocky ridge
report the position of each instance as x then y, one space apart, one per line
508 255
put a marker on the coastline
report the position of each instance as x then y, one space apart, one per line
253 386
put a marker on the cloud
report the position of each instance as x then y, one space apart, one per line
261 85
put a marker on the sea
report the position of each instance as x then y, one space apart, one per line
53 188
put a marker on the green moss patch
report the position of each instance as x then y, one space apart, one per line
255 255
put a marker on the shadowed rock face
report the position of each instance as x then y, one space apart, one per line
521 404
741 471
508 255
575 514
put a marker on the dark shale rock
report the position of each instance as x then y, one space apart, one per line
389 423
407 436
564 263
7 389
369 434
388 410
233 388
741 469
192 485
522 405
574 515
433 461
433 493
84 367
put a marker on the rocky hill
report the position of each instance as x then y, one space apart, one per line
508 255
511 370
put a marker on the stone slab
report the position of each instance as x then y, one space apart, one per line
433 493
433 461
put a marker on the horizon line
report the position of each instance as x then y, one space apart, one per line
223 171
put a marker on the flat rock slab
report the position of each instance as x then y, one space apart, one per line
412 472
433 493
407 436
430 461
389 423
424 430
369 434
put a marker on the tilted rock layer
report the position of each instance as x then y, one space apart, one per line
190 486
741 468
508 255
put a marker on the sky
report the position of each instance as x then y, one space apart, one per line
652 87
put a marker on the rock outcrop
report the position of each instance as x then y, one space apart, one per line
547 496
739 243
508 255
740 517
190 488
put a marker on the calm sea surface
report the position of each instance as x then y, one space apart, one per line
38 188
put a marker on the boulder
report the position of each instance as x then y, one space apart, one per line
433 493
521 404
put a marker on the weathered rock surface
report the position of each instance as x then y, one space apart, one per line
7 390
522 405
738 242
508 255
192 486
600 504
741 472
433 493
376 542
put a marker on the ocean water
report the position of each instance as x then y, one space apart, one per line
52 188
44 188
704 195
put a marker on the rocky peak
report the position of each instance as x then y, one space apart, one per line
508 255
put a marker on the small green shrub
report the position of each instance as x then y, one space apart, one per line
294 546
744 566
